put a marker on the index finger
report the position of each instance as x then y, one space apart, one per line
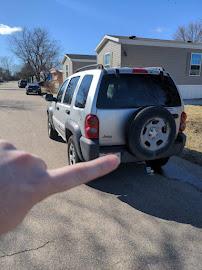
71 176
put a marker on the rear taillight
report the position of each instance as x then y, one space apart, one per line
140 71
183 121
92 127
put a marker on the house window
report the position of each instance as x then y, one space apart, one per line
195 65
107 60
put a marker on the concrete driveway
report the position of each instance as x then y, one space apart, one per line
126 220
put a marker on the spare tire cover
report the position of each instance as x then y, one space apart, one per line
151 132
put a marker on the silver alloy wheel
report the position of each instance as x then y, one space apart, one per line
154 134
72 154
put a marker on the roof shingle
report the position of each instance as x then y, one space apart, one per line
81 56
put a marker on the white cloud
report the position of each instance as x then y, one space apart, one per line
8 30
159 30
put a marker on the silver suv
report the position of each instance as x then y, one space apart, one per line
136 113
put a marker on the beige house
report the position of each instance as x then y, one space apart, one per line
56 76
181 59
72 62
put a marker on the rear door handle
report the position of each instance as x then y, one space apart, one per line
67 111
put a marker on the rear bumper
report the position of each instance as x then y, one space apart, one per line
90 150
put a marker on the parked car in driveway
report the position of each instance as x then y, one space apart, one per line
33 88
22 83
136 113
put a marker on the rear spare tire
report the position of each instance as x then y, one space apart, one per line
151 132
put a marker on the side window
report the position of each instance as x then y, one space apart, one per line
195 65
61 91
83 91
107 60
70 90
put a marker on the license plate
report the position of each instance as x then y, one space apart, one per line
116 154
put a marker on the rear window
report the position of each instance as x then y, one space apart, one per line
33 85
129 91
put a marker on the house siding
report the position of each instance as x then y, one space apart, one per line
113 48
77 65
175 60
74 65
70 68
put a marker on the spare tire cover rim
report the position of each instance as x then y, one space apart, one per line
154 134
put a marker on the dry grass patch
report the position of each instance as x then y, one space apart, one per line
193 150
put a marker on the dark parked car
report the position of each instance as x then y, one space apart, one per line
33 88
22 83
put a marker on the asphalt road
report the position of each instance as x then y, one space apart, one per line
126 220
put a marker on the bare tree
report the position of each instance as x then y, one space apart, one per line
191 32
26 72
37 50
6 64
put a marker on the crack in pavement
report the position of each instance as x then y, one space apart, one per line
31 249
23 251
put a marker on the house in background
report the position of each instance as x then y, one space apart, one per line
181 59
56 77
72 62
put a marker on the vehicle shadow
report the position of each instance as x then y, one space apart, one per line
192 155
59 140
154 195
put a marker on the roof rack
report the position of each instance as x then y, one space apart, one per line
96 66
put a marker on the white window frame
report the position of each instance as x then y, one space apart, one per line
192 75
110 60
67 70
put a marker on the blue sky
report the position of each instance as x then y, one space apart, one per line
79 25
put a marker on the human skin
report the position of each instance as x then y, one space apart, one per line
25 181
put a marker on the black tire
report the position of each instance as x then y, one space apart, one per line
71 147
52 133
27 93
39 93
135 126
157 163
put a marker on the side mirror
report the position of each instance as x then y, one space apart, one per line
50 97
